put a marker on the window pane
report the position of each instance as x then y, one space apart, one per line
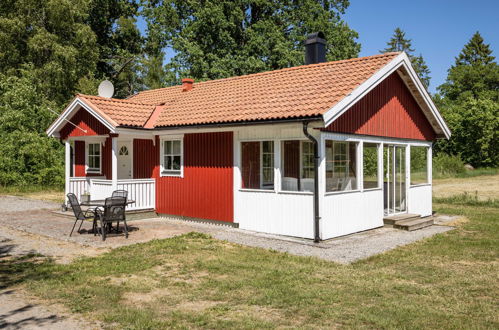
176 163
341 166
419 165
370 158
257 165
176 147
250 165
168 162
297 159
168 147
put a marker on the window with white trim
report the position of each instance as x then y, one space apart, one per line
370 165
257 165
341 165
94 157
297 165
419 165
172 157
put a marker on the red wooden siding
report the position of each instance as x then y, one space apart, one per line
79 162
206 190
145 158
250 157
83 119
388 110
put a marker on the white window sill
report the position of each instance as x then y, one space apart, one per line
175 175
257 190
328 193
94 172
372 189
419 185
289 192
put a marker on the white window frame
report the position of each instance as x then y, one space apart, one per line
162 158
428 165
302 168
87 158
282 166
260 141
262 186
379 154
359 166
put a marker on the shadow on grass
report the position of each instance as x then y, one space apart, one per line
16 270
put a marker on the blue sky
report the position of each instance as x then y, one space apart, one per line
438 28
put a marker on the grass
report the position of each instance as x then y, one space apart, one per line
484 188
52 194
194 281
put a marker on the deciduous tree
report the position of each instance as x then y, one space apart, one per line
217 39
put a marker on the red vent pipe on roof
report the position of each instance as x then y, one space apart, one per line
187 84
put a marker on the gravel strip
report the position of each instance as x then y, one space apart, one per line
16 204
343 250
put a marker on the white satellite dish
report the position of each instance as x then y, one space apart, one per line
106 89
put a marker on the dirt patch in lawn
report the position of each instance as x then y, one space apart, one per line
485 187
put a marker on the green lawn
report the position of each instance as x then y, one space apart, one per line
448 281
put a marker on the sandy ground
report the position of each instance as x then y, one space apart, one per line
485 187
20 311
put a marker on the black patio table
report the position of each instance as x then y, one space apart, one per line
102 203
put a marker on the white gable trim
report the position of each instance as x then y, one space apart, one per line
401 60
71 109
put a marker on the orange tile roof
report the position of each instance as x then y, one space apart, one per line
297 92
122 112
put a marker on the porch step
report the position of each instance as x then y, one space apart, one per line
414 224
393 219
408 221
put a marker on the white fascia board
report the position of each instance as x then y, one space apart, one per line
427 98
70 110
400 60
135 132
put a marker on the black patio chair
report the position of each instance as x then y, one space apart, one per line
120 193
80 215
114 211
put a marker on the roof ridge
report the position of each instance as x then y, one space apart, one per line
299 67
111 99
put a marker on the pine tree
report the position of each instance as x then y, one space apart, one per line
475 52
474 74
469 101
400 43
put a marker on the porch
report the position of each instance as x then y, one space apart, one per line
142 191
100 164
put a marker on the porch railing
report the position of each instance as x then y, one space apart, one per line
142 191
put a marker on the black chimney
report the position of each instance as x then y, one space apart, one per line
315 48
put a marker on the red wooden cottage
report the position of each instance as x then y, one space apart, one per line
242 150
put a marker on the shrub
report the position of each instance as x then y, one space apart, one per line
447 165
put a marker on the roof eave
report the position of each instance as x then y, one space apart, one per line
78 101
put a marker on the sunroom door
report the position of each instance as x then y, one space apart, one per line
394 186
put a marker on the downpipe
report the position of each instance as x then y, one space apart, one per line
317 217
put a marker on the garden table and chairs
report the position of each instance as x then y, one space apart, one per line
103 213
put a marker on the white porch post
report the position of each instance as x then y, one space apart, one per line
67 163
114 162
